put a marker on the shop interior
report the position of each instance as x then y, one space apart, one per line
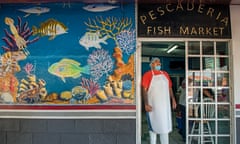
172 56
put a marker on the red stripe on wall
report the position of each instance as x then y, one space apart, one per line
237 106
82 107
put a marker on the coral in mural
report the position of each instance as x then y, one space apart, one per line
100 63
122 78
110 26
9 62
118 87
8 82
79 95
15 50
127 41
18 39
85 93
127 84
8 88
122 67
31 89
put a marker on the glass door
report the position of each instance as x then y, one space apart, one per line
208 92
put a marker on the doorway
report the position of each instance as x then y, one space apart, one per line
207 67
172 56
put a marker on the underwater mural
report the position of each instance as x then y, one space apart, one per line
83 54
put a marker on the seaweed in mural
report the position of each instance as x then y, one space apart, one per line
91 85
18 39
100 63
110 26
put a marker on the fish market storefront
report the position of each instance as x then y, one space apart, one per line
70 71
211 53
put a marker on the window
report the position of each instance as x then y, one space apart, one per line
208 92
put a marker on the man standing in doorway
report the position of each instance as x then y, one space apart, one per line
157 91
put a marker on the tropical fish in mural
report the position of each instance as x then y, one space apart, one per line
51 28
35 10
68 68
99 7
91 39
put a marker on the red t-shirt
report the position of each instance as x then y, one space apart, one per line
147 77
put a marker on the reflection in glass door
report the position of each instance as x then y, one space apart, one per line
208 92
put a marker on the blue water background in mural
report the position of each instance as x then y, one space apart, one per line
45 52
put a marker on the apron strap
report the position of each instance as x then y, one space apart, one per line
152 72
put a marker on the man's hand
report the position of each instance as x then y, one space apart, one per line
174 104
148 108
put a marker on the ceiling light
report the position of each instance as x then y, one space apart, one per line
172 48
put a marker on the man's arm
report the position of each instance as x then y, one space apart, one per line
148 108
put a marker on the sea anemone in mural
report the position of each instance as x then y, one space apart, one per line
110 26
18 39
100 63
127 41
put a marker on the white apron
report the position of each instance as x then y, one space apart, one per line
158 97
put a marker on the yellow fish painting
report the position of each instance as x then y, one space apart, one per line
51 28
68 68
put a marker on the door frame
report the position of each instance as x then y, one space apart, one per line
138 80
139 76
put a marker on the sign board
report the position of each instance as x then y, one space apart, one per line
192 20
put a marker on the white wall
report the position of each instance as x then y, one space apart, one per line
235 25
